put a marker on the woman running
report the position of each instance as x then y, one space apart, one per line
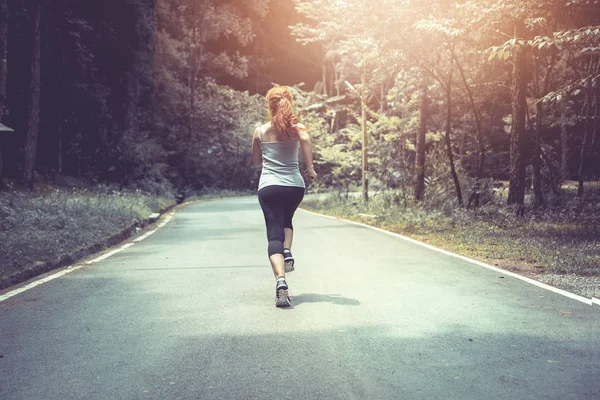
275 147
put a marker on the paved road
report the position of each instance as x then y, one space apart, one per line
189 313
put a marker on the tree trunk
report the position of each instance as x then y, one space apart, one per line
192 83
3 54
365 155
596 112
34 108
324 68
476 192
382 99
585 138
192 67
60 148
553 176
447 137
337 77
537 160
3 68
564 146
133 90
420 145
516 191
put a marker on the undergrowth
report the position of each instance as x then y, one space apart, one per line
41 226
560 239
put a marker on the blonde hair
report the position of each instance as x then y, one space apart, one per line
281 108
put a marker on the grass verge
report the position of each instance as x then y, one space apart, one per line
558 248
51 226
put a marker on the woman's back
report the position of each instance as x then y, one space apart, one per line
279 159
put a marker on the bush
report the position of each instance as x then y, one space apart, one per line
43 226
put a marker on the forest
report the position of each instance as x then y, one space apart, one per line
458 95
439 106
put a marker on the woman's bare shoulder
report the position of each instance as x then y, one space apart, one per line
303 135
261 129
300 126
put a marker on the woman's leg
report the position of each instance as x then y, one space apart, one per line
278 265
289 238
273 209
294 197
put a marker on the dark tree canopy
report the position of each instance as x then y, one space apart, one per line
165 93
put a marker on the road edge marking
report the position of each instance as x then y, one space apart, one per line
72 268
144 236
153 231
39 282
109 254
166 220
562 292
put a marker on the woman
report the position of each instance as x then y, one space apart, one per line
275 147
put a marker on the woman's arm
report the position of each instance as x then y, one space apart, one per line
256 153
306 146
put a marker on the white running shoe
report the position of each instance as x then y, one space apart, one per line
282 298
288 259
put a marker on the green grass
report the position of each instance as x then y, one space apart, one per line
550 242
209 194
45 225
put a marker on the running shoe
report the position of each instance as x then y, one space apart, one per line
288 259
282 298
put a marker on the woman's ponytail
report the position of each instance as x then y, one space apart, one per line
282 111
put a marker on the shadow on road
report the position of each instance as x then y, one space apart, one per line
323 298
192 268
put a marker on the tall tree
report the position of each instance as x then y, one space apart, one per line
34 107
516 191
444 33
578 50
587 127
3 68
419 188
196 43
3 54
447 137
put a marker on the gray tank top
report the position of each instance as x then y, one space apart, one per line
279 164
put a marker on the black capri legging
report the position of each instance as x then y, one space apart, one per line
279 204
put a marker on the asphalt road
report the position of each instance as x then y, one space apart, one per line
189 313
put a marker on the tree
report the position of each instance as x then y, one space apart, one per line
3 68
516 191
357 34
196 43
445 33
34 106
579 49
419 189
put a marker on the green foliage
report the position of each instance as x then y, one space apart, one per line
464 52
556 243
218 153
139 105
45 226
205 127
155 117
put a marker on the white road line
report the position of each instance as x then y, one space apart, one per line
163 223
144 236
72 268
110 253
166 221
596 301
38 282
504 272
